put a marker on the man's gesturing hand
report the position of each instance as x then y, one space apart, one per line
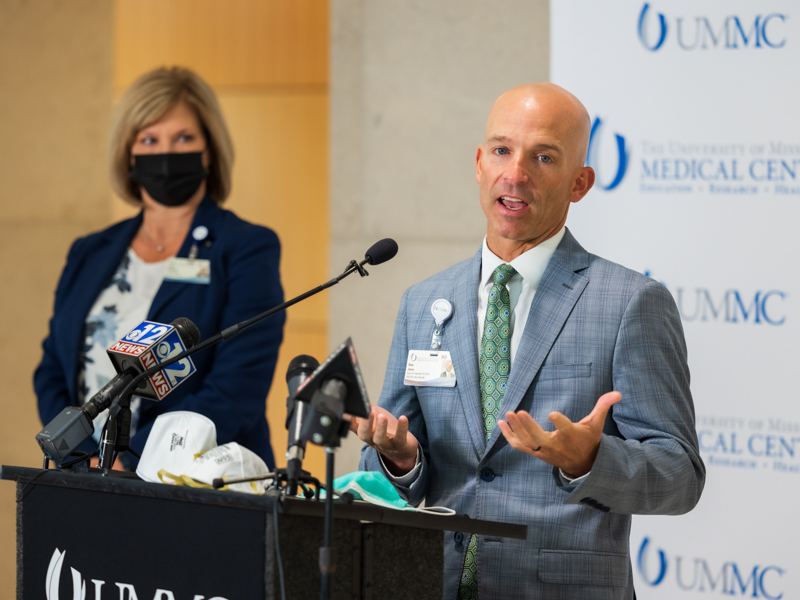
572 447
390 437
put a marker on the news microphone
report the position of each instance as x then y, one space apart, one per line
299 369
150 336
189 332
381 251
149 343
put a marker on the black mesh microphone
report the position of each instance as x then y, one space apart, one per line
381 251
188 331
301 367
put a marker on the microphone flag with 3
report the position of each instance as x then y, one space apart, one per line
342 364
148 345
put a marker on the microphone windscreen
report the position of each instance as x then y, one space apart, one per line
303 364
381 251
188 331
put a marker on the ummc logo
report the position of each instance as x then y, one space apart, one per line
126 590
696 574
730 306
703 33
662 30
592 153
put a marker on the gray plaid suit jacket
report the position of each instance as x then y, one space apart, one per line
593 327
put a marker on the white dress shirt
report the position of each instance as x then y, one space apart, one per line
530 267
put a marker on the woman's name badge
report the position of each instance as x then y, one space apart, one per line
188 270
427 368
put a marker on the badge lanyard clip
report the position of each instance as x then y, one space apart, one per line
441 310
198 235
436 340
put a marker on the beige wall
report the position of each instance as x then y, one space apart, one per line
55 100
267 60
63 64
411 86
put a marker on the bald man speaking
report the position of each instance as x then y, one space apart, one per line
570 408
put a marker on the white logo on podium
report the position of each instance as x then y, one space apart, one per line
54 577
126 590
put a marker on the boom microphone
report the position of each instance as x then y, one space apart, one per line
381 251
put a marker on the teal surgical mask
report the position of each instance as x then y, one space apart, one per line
375 488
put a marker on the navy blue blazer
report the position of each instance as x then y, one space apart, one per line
233 377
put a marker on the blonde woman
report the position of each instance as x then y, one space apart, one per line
171 155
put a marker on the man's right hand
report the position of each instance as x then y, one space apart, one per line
390 437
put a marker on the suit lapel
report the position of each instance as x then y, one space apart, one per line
465 357
560 288
207 214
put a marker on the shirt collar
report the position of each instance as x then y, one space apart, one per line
529 265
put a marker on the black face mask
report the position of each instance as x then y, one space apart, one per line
170 179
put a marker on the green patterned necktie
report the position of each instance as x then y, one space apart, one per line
495 364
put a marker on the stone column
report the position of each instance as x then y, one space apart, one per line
411 84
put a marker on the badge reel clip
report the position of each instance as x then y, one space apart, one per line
199 233
441 310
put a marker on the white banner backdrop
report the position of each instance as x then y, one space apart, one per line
696 144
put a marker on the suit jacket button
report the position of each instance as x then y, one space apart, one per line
487 474
458 537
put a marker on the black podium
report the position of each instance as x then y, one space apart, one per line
94 537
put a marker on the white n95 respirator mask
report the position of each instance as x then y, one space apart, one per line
226 462
175 439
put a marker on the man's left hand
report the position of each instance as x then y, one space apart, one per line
572 447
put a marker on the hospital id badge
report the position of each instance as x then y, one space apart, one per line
429 368
188 270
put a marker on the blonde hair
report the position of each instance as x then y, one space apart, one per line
144 103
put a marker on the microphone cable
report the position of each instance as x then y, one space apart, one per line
278 546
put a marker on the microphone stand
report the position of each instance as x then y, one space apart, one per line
117 433
278 478
111 439
327 564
